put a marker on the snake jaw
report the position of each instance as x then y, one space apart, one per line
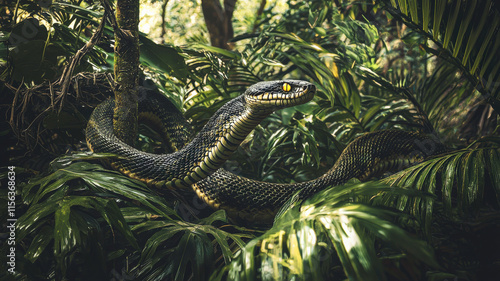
266 97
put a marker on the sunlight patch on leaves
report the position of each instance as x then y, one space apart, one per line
308 242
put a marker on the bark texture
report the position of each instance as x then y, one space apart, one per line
126 70
219 21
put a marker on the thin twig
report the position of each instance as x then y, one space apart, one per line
51 90
65 79
259 14
14 101
163 21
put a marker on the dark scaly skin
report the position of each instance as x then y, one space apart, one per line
367 156
211 146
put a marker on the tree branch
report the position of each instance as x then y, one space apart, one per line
219 21
65 79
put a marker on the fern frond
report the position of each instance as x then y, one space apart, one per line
457 178
309 242
471 44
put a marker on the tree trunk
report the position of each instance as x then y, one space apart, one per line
126 70
163 20
259 14
218 21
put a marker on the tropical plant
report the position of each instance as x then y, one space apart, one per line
469 44
403 64
301 243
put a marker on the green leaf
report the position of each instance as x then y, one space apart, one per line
41 240
448 180
414 12
426 12
191 244
484 44
464 26
101 179
439 7
450 26
303 241
221 51
111 213
462 172
403 7
494 164
476 31
164 58
34 217
65 236
194 249
488 60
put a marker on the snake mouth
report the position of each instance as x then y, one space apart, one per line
300 95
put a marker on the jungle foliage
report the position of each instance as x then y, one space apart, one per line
432 66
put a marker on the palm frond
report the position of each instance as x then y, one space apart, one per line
81 200
192 245
98 180
422 103
460 179
471 44
60 212
311 241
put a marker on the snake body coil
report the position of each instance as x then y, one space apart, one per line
369 155
212 145
197 164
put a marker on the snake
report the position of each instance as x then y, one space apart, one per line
196 164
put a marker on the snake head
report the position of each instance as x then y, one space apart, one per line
269 96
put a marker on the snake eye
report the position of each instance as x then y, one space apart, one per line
286 87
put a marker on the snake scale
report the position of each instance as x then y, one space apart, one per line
197 164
